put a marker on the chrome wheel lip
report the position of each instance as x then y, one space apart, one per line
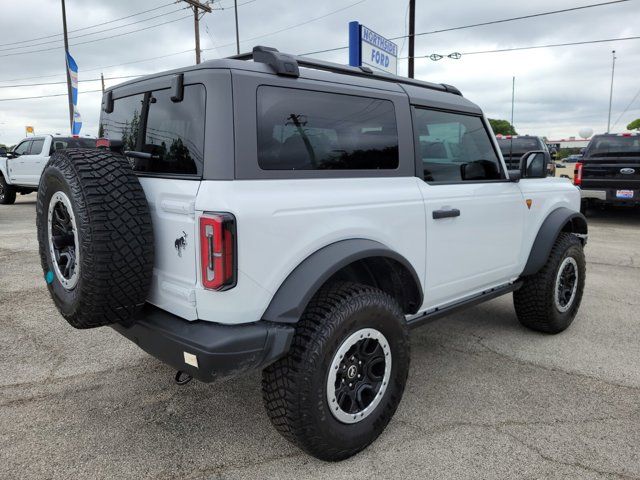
349 342
71 282
569 261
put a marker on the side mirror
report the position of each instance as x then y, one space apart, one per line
12 155
535 164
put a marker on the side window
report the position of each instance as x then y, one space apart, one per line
23 148
173 132
454 147
308 130
36 147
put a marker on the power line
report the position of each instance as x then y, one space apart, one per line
492 22
626 108
97 39
59 83
46 96
90 26
221 8
94 33
292 26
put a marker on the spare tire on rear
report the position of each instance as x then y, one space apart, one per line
95 236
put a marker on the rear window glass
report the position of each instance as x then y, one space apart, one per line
60 143
519 145
307 130
614 146
172 132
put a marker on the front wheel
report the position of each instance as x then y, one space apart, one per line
549 300
340 384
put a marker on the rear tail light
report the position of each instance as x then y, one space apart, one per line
218 258
102 143
577 174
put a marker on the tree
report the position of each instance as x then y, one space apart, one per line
635 125
502 127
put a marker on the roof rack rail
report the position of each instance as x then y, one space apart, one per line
288 65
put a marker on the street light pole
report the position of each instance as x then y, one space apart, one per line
235 6
613 68
66 65
412 37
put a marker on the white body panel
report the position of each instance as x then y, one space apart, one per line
172 205
282 222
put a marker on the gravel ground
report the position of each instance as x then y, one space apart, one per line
485 399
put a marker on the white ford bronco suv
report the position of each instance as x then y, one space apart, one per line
300 217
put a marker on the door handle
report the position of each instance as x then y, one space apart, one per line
446 213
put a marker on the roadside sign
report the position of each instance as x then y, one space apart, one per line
369 48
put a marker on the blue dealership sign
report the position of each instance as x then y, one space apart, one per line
367 47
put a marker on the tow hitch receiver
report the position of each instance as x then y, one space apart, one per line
182 378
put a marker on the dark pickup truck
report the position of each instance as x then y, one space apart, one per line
609 171
513 147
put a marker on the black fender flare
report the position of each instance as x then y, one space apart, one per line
293 296
560 219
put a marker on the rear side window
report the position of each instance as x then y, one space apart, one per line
308 130
60 143
172 132
454 147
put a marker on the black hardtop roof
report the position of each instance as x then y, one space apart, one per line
270 61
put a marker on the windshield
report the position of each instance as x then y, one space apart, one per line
518 145
613 146
60 143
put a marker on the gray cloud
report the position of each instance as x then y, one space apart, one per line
558 90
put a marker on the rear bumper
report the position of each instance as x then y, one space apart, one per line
608 195
207 350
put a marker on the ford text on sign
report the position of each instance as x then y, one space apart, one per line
378 52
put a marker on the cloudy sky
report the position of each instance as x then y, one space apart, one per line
558 90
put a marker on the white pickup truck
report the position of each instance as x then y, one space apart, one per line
20 170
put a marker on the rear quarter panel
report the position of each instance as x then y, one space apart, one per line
282 222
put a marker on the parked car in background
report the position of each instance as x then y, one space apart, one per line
21 168
565 167
609 171
513 147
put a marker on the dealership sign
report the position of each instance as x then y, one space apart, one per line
366 47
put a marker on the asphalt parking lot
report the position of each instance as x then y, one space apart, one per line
485 399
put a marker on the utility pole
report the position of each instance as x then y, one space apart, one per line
66 65
102 80
613 68
235 6
412 37
197 6
513 97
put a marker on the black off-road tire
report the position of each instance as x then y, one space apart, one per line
115 237
535 302
295 387
7 192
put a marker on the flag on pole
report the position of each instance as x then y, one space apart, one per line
72 66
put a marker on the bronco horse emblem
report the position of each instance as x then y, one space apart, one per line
181 243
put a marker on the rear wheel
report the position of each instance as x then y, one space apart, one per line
343 379
7 192
95 237
549 300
